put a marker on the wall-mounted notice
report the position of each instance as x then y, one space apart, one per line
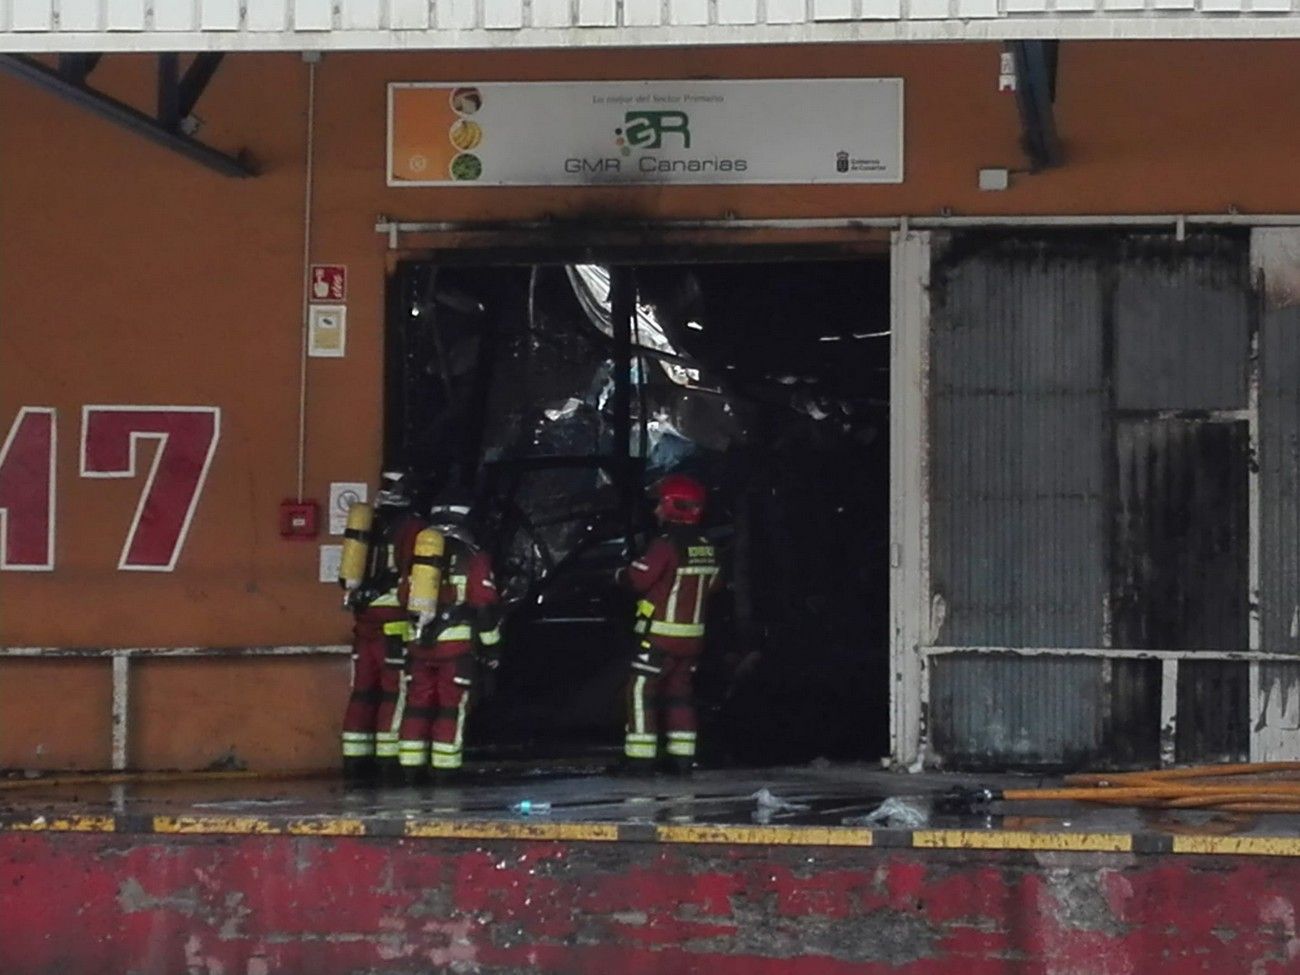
327 331
328 282
343 495
692 132
331 557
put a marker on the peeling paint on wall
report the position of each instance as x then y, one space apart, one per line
255 905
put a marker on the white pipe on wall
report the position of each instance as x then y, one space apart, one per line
309 176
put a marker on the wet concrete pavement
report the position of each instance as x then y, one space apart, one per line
806 796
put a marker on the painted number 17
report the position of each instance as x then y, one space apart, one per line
185 439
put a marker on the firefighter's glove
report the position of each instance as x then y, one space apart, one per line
647 661
360 597
395 654
420 623
489 646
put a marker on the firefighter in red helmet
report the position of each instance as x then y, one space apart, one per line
462 635
377 552
672 580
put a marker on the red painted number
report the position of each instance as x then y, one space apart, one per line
27 492
186 439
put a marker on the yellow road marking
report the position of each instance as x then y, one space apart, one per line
242 825
1266 846
766 835
964 839
65 824
490 830
937 839
326 827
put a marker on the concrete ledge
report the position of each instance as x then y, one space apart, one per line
255 895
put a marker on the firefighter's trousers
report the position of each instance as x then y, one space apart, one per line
660 697
437 704
370 723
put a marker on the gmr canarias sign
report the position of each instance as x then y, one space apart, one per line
185 439
580 133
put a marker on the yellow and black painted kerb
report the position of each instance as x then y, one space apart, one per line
989 840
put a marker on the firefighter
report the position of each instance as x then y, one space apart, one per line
377 551
672 580
449 644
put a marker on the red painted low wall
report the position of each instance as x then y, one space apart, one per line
255 905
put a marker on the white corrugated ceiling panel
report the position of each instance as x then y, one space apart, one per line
185 25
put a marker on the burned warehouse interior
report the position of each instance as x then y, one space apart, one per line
556 394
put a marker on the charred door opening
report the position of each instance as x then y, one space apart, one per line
558 393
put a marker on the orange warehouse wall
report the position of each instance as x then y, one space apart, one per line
129 275
262 713
55 713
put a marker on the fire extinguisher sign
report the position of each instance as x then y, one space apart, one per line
329 282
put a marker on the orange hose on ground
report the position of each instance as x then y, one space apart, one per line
1196 787
1082 794
1203 801
1191 772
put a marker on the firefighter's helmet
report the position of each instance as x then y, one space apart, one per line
395 489
681 499
452 515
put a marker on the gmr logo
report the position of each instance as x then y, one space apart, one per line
646 130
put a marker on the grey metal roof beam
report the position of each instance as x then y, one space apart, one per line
1035 96
195 80
77 67
158 131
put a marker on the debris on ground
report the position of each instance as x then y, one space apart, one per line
769 805
895 812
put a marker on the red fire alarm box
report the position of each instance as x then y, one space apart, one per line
299 519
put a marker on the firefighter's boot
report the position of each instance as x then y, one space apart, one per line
633 768
391 774
443 777
359 772
680 766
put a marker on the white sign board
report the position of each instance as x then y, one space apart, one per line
331 557
672 132
327 330
343 495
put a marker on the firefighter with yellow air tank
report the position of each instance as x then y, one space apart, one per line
455 621
378 547
428 619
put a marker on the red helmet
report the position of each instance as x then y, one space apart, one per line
681 499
